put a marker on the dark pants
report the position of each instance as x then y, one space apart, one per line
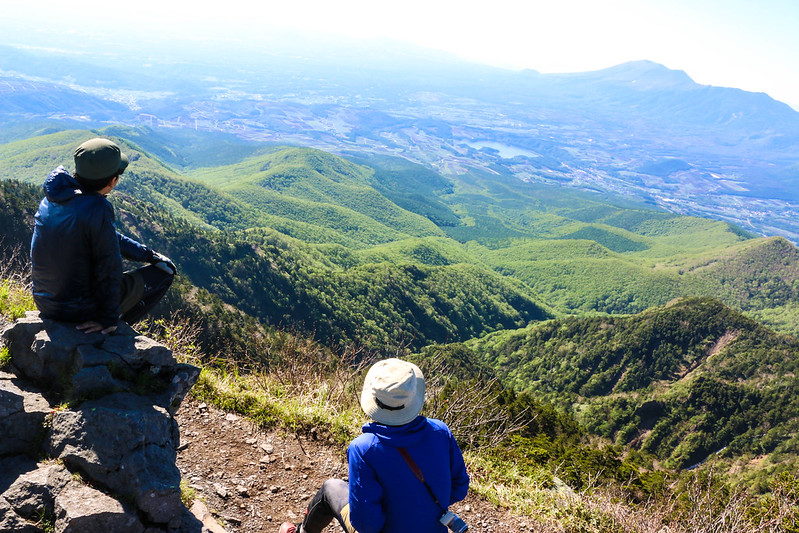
332 501
142 288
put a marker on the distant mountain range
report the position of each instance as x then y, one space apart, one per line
638 130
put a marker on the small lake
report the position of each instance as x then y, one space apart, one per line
505 151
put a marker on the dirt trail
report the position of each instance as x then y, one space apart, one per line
253 480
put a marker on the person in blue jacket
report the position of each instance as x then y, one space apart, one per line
384 494
76 253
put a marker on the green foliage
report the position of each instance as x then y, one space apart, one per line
780 506
187 493
44 521
431 251
383 254
313 187
15 299
609 239
762 279
414 188
5 357
682 382
19 203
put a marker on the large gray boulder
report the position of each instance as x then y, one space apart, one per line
99 409
23 411
33 493
126 444
82 509
74 365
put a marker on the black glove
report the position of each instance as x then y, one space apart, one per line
164 263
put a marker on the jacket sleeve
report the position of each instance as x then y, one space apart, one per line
134 250
107 267
460 478
366 511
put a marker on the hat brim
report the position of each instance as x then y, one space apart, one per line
123 162
399 417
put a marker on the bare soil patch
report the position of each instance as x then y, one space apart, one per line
253 480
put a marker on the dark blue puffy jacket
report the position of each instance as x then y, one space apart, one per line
76 254
385 496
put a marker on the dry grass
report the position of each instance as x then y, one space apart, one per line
309 389
15 294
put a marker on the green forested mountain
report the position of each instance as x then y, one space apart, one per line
579 252
574 252
286 283
682 381
536 283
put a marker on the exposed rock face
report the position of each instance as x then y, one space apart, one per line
87 434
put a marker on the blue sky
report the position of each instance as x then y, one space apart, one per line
752 45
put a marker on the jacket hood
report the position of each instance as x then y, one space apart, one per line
398 436
60 186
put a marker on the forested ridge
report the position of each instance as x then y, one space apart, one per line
682 382
284 283
574 252
564 296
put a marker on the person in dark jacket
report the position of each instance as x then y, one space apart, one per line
76 253
388 492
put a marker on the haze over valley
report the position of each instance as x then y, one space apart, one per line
638 130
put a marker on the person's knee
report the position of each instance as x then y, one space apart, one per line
336 491
335 484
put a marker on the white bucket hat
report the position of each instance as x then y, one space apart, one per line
393 392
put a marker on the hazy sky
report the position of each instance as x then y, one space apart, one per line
749 44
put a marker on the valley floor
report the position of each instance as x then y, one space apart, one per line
253 480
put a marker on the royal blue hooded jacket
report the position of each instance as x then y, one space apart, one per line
76 254
385 495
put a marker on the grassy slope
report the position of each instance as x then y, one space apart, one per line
304 185
580 253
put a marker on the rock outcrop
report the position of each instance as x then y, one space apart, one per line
88 439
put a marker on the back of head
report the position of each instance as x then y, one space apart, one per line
393 392
97 161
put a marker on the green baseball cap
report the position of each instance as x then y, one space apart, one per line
98 159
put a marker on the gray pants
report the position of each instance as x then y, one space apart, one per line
332 501
142 288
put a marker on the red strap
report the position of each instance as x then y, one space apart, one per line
418 473
414 467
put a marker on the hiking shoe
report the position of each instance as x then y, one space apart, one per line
288 527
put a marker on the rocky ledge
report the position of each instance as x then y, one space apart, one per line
88 437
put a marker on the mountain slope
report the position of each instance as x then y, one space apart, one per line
683 381
578 252
659 95
414 291
304 185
